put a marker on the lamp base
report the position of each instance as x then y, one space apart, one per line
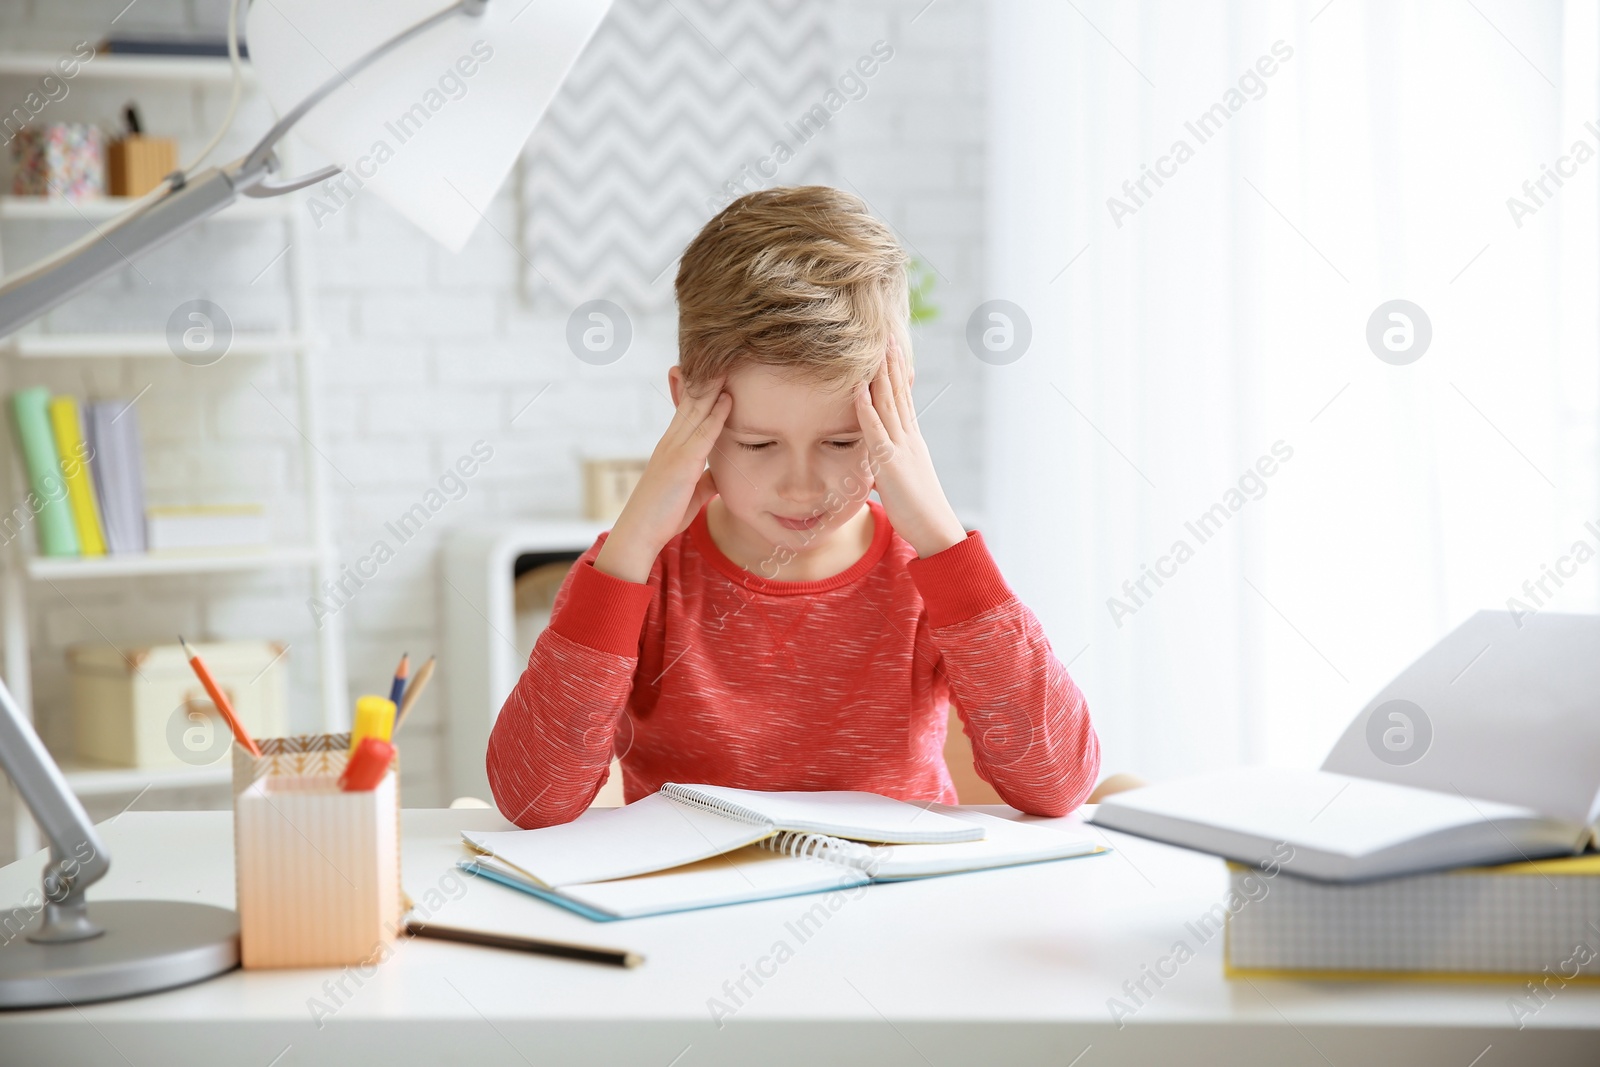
148 945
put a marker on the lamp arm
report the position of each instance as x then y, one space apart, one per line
26 296
78 858
131 235
259 157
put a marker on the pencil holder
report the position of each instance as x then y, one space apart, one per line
317 868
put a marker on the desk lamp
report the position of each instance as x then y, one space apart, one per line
451 136
58 949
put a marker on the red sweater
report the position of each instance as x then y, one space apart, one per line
710 674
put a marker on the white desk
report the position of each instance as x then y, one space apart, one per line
1012 966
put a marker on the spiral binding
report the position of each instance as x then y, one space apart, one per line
685 795
823 847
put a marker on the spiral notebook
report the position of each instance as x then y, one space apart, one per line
681 824
787 862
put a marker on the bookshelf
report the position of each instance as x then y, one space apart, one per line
297 340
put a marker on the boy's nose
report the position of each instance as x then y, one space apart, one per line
802 483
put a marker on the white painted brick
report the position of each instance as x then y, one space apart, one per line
372 464
368 363
436 315
71 619
927 214
407 412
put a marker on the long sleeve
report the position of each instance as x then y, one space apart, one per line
1028 723
552 743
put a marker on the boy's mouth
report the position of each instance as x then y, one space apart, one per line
798 524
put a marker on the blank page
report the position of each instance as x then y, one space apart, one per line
652 834
1005 844
1509 711
842 813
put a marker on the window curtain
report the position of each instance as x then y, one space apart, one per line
1238 491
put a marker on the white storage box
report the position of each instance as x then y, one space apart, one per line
144 707
205 528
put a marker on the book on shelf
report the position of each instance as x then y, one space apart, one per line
67 425
46 505
170 44
697 846
1484 750
206 527
118 471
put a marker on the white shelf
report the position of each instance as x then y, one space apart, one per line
124 67
137 345
102 208
87 780
296 339
68 567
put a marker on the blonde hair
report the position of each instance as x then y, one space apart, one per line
801 278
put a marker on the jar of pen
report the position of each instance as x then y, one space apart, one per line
316 832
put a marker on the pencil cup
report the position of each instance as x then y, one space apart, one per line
317 868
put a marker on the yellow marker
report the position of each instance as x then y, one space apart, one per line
374 718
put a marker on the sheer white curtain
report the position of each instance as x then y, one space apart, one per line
1368 155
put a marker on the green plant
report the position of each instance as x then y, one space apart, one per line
919 283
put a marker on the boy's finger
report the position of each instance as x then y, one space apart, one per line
902 387
705 395
696 406
871 422
709 424
883 398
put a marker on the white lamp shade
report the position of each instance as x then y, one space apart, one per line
434 127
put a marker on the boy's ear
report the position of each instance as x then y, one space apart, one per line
675 384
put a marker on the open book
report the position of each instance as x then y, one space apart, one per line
1485 750
689 847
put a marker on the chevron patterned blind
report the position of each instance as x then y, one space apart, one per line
669 102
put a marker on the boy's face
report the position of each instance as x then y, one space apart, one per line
791 463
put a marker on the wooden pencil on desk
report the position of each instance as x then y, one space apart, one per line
615 956
414 690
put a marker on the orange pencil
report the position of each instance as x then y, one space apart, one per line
218 698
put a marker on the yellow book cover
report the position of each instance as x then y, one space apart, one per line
67 427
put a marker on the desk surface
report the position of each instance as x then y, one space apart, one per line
1016 965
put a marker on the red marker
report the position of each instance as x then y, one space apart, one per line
368 766
213 690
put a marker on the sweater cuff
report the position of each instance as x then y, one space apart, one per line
603 611
960 582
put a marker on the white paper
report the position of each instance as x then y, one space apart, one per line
604 843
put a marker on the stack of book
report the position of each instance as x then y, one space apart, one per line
85 475
1449 834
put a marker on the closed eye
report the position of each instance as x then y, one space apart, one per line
842 445
755 448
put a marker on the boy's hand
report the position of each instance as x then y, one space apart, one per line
906 481
672 490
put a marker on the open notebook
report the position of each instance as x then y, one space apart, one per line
619 863
1504 715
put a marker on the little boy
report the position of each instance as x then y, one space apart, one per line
752 618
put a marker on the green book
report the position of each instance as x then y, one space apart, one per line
57 535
